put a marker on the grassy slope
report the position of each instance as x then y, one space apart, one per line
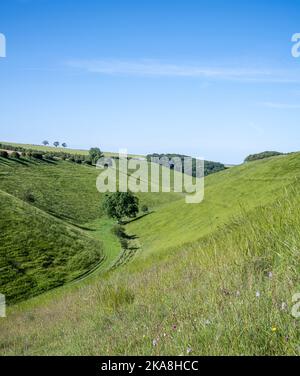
59 236
226 194
39 252
202 295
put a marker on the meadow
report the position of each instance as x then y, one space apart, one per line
215 278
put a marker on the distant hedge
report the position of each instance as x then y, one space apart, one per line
209 166
3 154
264 154
40 154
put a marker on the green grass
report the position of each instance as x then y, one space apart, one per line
202 297
52 226
39 252
226 193
193 283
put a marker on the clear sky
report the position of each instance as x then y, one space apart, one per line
205 78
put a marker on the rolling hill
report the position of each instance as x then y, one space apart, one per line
208 278
52 226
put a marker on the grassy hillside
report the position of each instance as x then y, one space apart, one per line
39 252
214 278
52 226
227 193
230 293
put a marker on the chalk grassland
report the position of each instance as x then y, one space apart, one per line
226 194
52 226
229 293
214 278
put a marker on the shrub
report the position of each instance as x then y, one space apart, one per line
15 155
3 154
124 243
118 230
264 154
145 209
36 155
95 154
87 162
49 156
121 204
29 197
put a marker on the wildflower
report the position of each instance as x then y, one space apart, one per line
207 322
257 294
283 306
270 274
188 350
274 329
154 342
238 293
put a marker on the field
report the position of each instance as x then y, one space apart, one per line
50 148
212 278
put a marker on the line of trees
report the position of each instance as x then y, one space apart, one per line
209 166
20 151
263 155
55 143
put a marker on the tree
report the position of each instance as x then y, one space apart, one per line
56 144
3 154
118 205
95 154
264 154
37 155
15 155
45 143
64 145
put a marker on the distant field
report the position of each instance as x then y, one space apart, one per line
61 149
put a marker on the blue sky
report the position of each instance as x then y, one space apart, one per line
205 78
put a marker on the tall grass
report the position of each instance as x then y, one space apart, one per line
229 293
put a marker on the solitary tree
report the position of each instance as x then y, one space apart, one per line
64 145
45 142
118 205
95 154
56 144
